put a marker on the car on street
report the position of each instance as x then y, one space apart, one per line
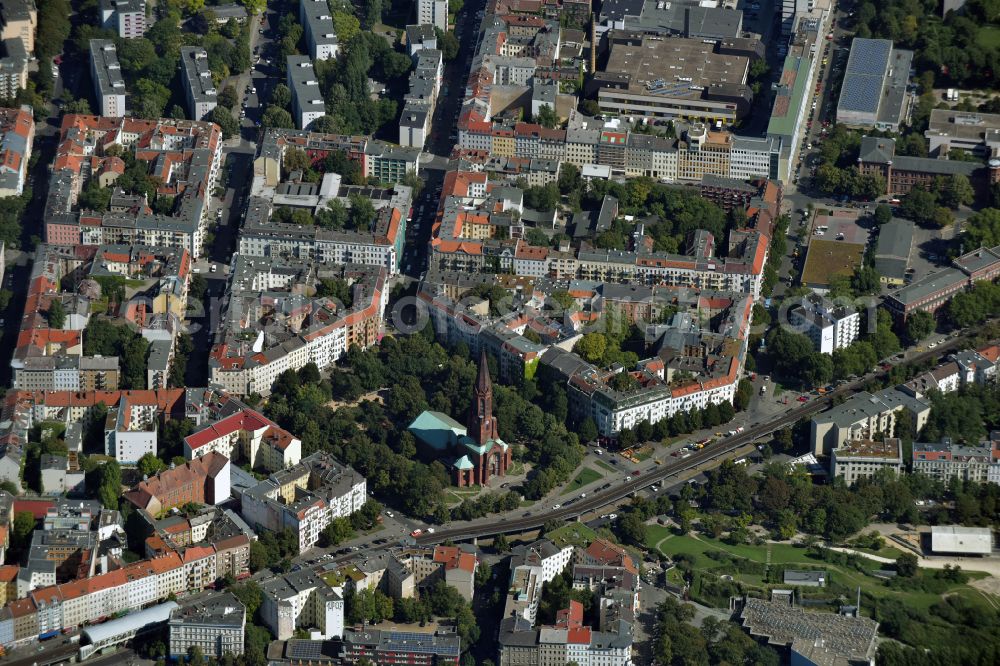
803 398
556 506
417 532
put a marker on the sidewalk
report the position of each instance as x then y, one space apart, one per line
989 566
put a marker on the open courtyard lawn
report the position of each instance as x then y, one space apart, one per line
988 36
574 534
788 556
586 475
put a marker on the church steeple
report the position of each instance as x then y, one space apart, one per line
482 425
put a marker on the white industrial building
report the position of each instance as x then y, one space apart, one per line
961 540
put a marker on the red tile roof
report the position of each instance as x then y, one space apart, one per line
246 420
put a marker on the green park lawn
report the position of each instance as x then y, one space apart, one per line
607 466
586 475
664 540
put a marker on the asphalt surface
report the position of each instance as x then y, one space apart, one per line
714 454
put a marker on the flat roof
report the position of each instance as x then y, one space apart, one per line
894 93
104 56
790 96
199 77
967 125
931 284
319 20
675 66
889 449
827 258
959 539
305 85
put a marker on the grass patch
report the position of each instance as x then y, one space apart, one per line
516 468
574 534
644 454
609 467
788 556
884 551
988 37
586 476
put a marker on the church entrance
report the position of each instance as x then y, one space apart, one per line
495 465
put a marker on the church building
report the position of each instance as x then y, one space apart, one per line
476 451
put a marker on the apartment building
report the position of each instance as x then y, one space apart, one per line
246 435
946 460
307 100
439 647
17 133
214 626
94 598
245 365
18 22
301 599
862 459
865 416
126 17
317 24
433 12
130 431
169 148
829 326
199 90
419 37
421 100
305 498
109 84
699 151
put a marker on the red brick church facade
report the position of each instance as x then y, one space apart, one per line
489 455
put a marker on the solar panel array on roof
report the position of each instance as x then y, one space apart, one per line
869 56
865 75
299 649
419 643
